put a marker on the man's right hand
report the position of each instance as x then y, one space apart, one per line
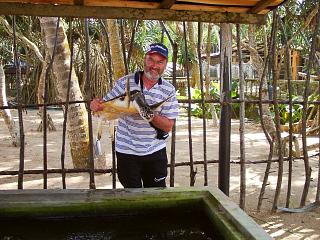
96 105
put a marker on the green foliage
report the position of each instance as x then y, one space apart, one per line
198 111
234 89
297 110
284 112
215 90
5 45
148 32
182 57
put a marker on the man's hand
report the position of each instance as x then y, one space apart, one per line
142 107
96 105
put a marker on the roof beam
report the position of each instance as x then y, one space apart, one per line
167 3
262 5
206 8
127 13
224 2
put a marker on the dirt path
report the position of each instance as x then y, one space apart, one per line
279 225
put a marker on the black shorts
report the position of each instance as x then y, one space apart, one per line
142 171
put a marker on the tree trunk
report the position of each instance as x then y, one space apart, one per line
215 119
118 65
40 97
258 64
195 76
77 123
5 113
22 38
207 71
116 50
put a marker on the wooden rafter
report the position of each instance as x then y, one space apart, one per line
223 2
120 4
254 5
206 8
228 11
262 5
127 13
167 3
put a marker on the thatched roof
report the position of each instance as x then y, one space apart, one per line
231 11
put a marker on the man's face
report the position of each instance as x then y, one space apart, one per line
154 65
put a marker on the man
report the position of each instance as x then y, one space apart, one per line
141 138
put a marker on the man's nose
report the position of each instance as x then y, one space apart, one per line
155 64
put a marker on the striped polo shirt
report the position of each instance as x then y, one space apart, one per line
134 135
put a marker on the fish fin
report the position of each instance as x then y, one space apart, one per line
156 105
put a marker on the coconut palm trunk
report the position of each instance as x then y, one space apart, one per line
115 46
117 60
40 98
77 122
5 113
195 77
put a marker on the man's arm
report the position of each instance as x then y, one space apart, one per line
96 104
162 122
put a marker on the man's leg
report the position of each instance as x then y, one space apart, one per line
154 170
129 170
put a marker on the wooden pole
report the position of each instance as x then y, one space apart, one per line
225 118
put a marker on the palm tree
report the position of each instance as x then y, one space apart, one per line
40 97
115 46
195 77
77 123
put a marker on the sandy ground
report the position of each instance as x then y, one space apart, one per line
279 225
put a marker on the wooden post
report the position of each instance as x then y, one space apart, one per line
225 118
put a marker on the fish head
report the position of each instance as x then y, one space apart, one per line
140 100
133 95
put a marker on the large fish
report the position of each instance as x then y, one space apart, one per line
126 104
